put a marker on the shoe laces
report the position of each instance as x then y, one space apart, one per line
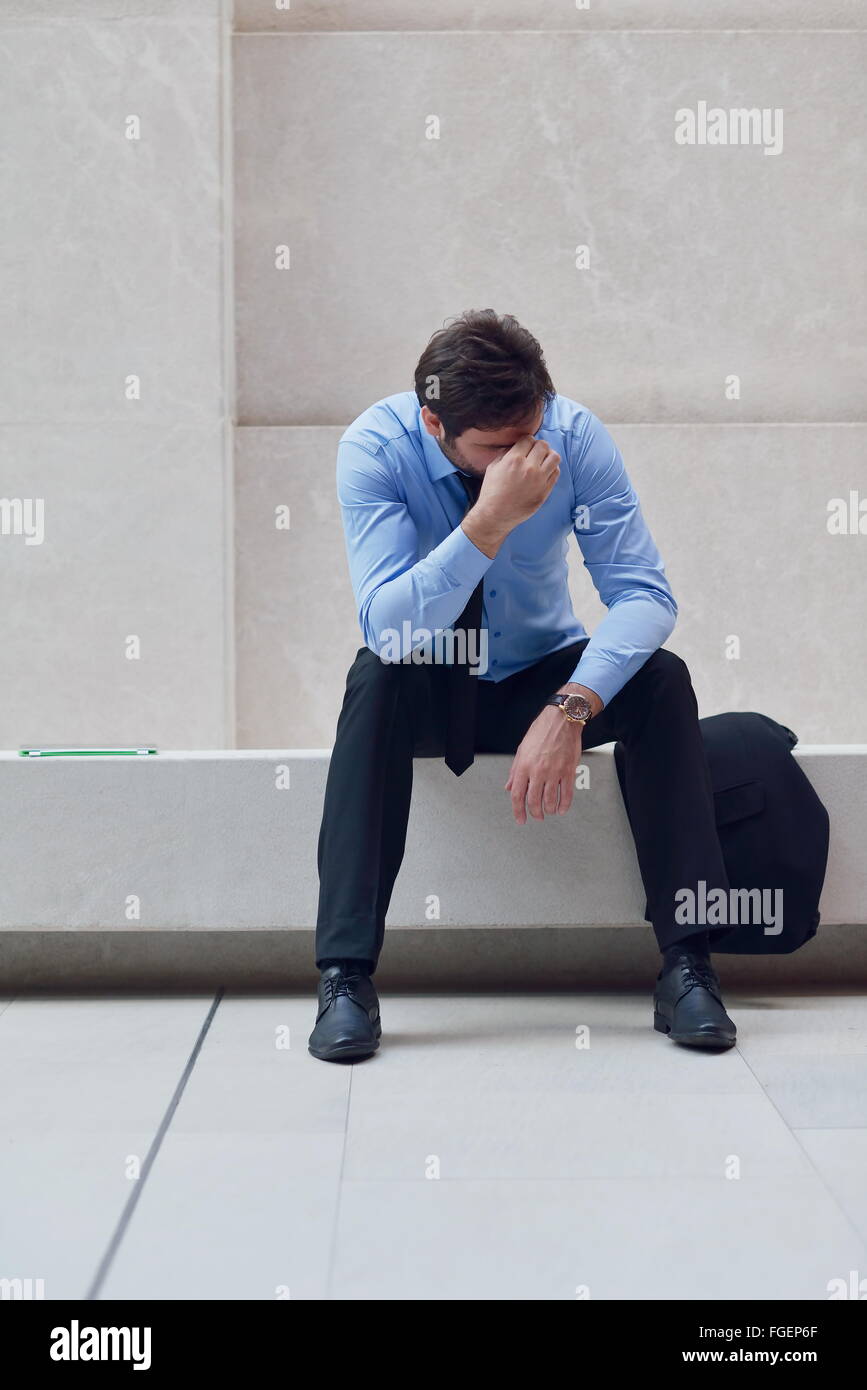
699 972
335 985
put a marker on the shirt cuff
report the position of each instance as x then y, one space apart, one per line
599 675
460 559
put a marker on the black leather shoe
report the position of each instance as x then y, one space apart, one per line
688 1006
348 1026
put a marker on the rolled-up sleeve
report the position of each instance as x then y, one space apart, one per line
393 587
623 562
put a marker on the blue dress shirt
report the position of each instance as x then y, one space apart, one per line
413 567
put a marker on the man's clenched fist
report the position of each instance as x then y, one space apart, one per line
513 489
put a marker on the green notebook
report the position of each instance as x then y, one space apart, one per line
51 752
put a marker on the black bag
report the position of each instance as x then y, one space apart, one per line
773 828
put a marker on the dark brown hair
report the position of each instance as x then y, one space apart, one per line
482 371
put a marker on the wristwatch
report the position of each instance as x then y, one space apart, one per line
575 707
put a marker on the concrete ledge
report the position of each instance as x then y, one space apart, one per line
523 959
226 841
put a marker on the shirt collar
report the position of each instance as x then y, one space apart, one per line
438 466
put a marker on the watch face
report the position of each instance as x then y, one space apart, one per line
576 707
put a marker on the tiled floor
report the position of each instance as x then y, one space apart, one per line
481 1154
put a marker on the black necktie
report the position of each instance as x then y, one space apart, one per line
461 686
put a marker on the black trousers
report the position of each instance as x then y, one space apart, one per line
395 712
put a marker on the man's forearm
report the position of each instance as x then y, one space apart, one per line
631 631
432 595
426 599
488 535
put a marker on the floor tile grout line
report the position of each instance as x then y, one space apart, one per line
332 1254
828 1129
850 1222
132 1201
584 32
572 1180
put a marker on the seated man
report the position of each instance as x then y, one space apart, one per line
458 500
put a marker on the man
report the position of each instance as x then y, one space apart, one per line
457 504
